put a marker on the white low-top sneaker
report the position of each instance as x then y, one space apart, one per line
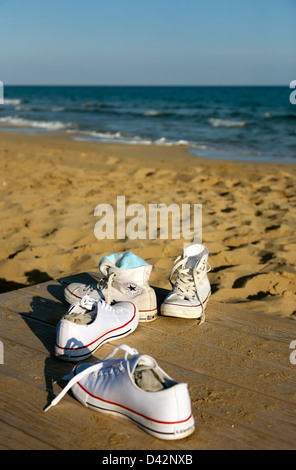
89 324
125 276
191 289
134 387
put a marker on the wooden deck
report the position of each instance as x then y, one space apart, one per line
237 364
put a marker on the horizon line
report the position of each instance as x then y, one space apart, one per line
139 86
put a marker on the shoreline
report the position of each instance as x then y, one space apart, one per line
51 185
191 149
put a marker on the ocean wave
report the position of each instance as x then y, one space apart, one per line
274 116
165 141
59 109
118 137
22 107
96 105
13 102
216 122
21 122
104 135
155 113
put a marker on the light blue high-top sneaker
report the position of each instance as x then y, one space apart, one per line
125 276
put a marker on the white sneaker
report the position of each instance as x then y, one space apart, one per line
192 290
125 277
89 324
134 387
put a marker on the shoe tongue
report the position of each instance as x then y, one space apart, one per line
126 260
141 361
193 253
133 361
144 376
105 265
82 318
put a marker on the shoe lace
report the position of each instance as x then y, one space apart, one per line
87 302
106 283
93 368
103 283
186 284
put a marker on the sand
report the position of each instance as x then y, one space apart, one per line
51 184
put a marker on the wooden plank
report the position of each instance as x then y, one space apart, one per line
74 427
211 349
228 356
242 406
26 330
63 427
224 315
208 395
35 306
69 425
215 336
49 309
13 438
237 365
264 326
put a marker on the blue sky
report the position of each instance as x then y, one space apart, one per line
141 42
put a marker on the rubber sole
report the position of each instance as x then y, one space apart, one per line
182 311
148 315
159 429
83 352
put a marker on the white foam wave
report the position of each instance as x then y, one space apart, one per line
59 108
105 135
117 137
216 122
164 141
13 101
153 112
21 122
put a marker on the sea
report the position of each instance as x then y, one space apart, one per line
247 123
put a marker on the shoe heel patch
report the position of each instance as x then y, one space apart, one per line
132 289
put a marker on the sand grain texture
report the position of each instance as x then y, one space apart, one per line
50 186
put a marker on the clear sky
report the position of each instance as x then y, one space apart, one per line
148 42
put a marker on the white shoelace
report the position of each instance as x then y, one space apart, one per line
87 302
106 282
103 283
186 284
94 368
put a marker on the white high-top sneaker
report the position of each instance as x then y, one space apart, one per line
191 290
125 277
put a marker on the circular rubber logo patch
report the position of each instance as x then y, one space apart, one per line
132 288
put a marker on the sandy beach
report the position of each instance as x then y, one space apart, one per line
50 186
